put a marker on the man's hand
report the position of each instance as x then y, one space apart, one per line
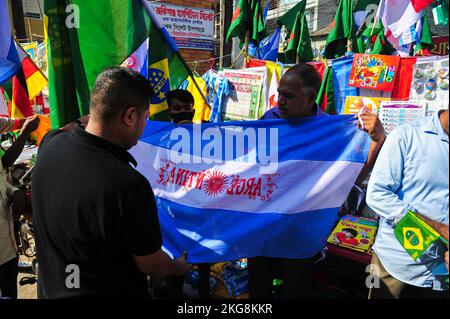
373 126
30 125
182 266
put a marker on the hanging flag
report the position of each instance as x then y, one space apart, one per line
20 102
273 91
290 17
166 68
225 206
248 16
138 61
343 30
341 75
325 97
425 45
28 82
268 48
9 59
399 15
266 11
299 46
109 33
35 79
3 104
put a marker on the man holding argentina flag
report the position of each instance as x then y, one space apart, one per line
260 188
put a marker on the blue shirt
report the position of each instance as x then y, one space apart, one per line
274 113
411 173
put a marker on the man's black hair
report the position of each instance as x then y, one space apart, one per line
116 89
309 77
181 95
351 231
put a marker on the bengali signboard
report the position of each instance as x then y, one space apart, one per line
191 28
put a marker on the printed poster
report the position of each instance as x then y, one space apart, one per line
244 100
430 83
353 104
375 72
396 113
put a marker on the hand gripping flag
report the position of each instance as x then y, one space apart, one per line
243 189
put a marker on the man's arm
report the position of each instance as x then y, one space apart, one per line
12 153
159 263
373 127
386 179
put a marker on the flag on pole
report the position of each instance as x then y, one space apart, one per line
268 48
9 59
166 68
290 17
273 91
343 30
399 15
299 44
248 16
138 61
223 205
109 32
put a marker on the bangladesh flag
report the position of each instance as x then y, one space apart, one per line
248 16
107 34
343 30
325 97
290 17
299 45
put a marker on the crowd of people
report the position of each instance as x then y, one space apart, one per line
92 209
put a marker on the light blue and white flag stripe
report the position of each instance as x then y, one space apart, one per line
225 206
138 60
9 59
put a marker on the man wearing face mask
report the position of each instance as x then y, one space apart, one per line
181 106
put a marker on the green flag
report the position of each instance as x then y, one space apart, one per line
290 17
325 97
426 41
108 33
299 44
343 30
248 16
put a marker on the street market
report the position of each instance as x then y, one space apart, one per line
218 150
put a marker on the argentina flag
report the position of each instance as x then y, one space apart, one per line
243 189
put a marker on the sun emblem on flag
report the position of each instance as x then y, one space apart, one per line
132 62
216 183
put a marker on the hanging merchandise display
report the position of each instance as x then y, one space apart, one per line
246 92
393 114
218 90
430 83
376 72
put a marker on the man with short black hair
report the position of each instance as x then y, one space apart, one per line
298 91
96 222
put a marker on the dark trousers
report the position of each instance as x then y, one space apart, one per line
176 282
295 273
8 278
391 288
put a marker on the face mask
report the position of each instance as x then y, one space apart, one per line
182 116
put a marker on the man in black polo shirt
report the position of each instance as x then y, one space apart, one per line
96 222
